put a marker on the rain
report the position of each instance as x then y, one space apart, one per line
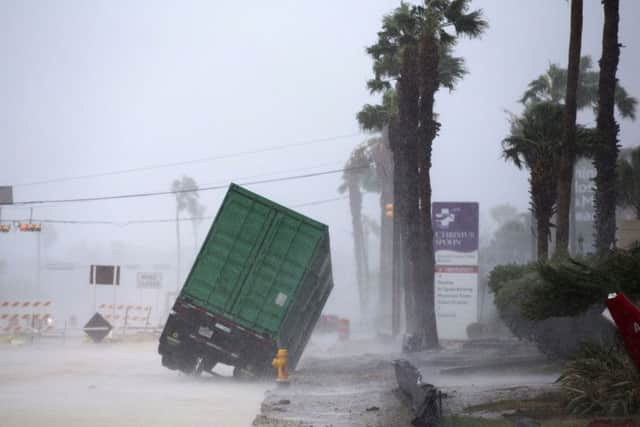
320 214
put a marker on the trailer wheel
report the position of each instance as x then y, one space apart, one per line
168 362
209 365
240 373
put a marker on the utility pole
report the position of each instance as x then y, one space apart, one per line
37 253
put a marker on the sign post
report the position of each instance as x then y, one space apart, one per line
455 243
104 275
97 328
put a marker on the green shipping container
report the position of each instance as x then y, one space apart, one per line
259 282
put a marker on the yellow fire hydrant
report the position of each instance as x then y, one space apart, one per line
282 365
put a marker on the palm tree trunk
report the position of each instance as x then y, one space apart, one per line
355 202
568 149
542 239
195 237
177 249
428 129
397 256
607 153
542 187
408 109
385 165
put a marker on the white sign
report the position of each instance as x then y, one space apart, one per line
456 300
444 257
149 280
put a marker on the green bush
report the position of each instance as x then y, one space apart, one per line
603 381
572 287
556 315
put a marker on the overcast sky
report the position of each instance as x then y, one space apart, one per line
101 86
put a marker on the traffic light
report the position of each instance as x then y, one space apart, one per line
30 227
5 228
388 210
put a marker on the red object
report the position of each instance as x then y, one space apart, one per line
343 329
627 318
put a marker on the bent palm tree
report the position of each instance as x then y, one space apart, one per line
185 190
358 175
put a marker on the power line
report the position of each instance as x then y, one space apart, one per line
186 162
124 223
188 190
237 178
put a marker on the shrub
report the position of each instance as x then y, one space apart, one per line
519 288
572 287
601 380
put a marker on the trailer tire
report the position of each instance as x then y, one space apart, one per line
168 362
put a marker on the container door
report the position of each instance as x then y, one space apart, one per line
225 258
272 284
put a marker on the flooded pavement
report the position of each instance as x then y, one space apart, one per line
114 384
471 374
354 384
337 384
338 392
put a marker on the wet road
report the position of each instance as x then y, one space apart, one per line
117 384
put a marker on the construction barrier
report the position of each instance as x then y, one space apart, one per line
25 316
126 316
344 329
328 323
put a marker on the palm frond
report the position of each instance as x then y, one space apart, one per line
373 117
451 68
625 103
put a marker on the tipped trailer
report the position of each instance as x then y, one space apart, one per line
259 283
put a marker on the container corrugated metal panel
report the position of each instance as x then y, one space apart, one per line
264 267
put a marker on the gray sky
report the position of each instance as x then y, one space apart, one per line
107 85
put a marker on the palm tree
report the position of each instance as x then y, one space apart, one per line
358 175
534 143
551 87
568 148
438 68
413 55
383 119
607 154
187 198
629 181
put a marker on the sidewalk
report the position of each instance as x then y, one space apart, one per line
338 392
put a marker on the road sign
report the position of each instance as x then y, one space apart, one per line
105 275
97 328
149 280
6 195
